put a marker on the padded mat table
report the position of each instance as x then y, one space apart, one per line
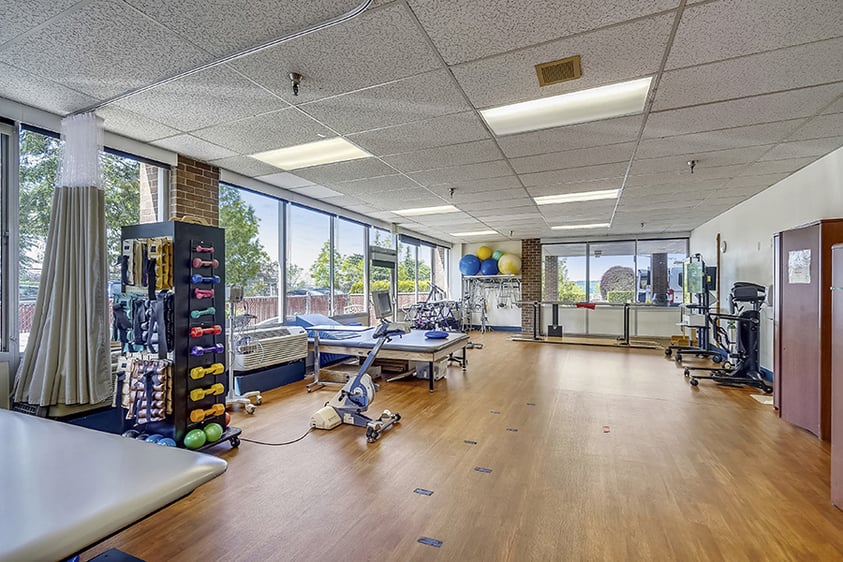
64 487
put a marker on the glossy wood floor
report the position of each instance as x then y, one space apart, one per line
618 459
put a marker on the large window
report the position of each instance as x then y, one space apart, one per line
659 271
308 262
349 267
252 232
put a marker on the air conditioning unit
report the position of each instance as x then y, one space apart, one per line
267 347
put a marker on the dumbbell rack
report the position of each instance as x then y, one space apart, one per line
187 237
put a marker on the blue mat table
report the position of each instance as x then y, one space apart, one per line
411 347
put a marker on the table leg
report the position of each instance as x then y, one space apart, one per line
430 370
464 357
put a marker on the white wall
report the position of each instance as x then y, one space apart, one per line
510 316
813 193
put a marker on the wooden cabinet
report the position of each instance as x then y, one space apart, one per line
803 325
837 376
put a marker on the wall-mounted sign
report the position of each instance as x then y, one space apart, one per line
799 267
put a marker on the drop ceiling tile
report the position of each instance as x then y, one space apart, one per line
737 113
441 157
376 47
720 30
608 56
835 107
285 180
683 179
213 96
195 148
805 148
330 174
585 135
736 137
230 27
705 160
558 189
103 50
481 204
576 175
612 153
479 186
416 98
819 127
24 87
132 125
471 29
788 165
376 185
245 165
20 17
279 129
500 212
317 192
464 196
807 65
764 180
419 135
468 172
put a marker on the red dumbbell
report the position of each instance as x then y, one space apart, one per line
199 262
203 293
198 332
204 250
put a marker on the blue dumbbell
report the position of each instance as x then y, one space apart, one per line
197 279
199 351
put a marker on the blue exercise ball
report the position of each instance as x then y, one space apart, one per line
469 264
489 267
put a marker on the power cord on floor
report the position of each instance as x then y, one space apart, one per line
277 444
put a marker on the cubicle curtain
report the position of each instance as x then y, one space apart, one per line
67 357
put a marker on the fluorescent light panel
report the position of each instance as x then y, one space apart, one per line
580 226
475 233
312 154
576 197
615 100
426 211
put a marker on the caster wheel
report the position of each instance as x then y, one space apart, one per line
767 389
259 400
250 408
372 435
694 382
727 366
717 359
668 352
678 357
397 417
309 390
235 442
687 372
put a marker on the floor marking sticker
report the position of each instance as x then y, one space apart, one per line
423 492
481 469
494 411
430 542
470 442
605 429
531 403
512 429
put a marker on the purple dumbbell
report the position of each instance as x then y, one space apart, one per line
197 279
198 351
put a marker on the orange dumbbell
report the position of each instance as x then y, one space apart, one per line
197 416
200 393
197 373
197 332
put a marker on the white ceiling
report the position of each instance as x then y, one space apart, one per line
751 89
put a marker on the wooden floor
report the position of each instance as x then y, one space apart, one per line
615 457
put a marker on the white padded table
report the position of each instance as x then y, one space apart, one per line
64 487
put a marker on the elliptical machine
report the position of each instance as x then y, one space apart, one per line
746 370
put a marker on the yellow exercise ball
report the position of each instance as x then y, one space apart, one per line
509 264
484 252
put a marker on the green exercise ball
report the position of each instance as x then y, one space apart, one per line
213 431
194 439
496 255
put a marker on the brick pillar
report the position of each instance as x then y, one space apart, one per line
440 276
531 280
148 193
195 190
551 278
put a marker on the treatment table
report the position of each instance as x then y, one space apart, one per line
411 347
64 487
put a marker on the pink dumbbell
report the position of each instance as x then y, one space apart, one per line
204 250
199 262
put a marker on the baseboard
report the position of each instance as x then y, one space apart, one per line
766 374
497 328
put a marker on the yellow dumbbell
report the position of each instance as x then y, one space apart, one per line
197 416
197 373
201 393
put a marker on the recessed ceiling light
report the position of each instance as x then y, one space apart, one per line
475 233
614 100
426 211
579 226
312 154
575 197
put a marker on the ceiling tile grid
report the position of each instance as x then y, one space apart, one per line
819 127
468 172
194 147
419 135
470 152
572 137
338 172
103 50
576 175
20 17
245 165
376 47
30 89
608 56
613 153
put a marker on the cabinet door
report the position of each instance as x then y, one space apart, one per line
800 328
837 378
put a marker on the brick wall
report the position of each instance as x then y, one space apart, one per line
531 280
551 278
194 190
148 193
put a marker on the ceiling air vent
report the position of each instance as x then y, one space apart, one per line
557 71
